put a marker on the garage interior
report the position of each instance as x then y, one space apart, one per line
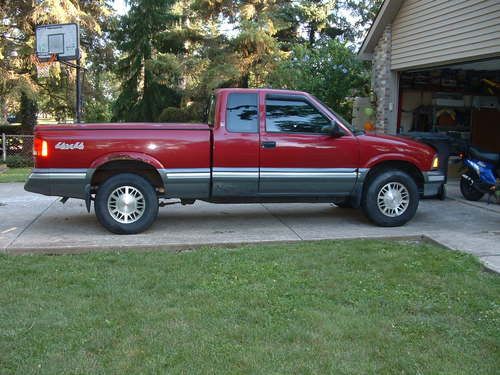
460 100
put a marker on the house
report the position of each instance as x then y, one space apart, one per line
436 67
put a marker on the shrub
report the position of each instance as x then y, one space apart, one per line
173 114
10 129
193 113
19 161
97 111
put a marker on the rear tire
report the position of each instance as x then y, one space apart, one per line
126 204
391 199
468 191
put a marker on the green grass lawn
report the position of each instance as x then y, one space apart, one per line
338 307
15 175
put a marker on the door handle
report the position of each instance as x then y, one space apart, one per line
268 144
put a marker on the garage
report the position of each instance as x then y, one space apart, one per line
461 101
436 69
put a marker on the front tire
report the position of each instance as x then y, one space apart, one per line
126 204
467 189
391 199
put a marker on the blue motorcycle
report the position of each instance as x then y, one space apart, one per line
482 175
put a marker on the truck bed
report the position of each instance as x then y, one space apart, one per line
172 145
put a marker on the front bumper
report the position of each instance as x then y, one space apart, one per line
69 183
433 181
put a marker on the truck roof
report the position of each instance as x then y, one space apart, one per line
259 89
127 125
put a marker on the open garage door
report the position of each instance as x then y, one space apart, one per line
460 100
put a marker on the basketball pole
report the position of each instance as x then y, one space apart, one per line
78 92
79 96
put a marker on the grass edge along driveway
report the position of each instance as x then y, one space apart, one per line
15 175
313 307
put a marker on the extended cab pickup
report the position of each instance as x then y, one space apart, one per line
260 145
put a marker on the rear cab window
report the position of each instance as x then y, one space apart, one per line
211 110
242 113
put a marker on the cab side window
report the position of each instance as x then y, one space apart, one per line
290 115
242 113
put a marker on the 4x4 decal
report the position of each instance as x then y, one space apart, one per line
69 146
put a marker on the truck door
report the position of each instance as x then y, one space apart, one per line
235 170
298 156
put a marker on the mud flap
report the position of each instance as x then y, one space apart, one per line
356 196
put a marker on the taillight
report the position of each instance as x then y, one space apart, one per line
45 149
40 148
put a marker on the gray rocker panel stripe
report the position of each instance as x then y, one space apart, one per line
276 181
235 182
284 172
434 176
186 173
308 172
307 181
204 173
56 173
186 182
178 173
219 172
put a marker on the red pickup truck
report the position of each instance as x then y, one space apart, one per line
260 145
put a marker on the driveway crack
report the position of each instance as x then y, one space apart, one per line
282 222
471 204
30 224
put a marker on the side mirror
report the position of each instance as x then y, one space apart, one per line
335 130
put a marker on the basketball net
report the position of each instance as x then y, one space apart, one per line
43 67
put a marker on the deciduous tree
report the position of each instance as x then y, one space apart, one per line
55 94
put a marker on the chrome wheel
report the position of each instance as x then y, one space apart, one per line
126 204
393 199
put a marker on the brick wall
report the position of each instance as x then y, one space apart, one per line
381 79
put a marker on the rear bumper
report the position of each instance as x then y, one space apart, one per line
69 183
433 180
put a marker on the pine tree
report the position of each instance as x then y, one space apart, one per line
143 93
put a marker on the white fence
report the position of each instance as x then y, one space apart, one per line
17 149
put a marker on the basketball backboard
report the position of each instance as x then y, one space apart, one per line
62 40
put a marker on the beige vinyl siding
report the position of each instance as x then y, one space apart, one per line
434 32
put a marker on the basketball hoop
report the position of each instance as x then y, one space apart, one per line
59 43
43 67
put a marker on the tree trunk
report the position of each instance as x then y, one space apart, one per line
3 111
245 80
312 33
28 114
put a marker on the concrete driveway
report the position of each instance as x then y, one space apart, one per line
31 223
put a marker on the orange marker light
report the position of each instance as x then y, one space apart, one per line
435 162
